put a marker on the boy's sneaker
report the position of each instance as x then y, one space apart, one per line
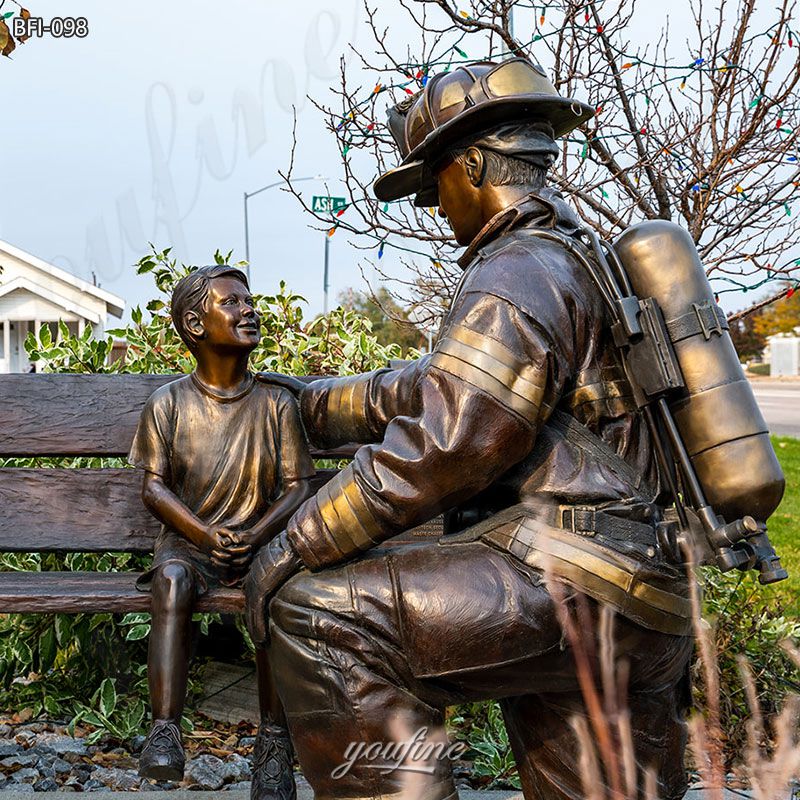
162 757
273 777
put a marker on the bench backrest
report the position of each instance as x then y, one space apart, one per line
69 510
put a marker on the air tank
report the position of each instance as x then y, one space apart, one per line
717 414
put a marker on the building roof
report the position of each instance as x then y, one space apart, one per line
114 303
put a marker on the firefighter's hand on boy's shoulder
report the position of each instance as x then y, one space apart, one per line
290 382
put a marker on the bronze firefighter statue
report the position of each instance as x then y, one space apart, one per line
523 428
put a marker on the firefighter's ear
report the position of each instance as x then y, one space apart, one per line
475 166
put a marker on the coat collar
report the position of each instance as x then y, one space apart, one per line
543 208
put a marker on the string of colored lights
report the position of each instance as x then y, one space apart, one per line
361 122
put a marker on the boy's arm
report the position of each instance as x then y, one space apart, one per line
169 509
274 521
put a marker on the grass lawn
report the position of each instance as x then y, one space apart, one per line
784 528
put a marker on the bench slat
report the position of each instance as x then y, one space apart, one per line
79 510
70 415
80 415
92 592
77 592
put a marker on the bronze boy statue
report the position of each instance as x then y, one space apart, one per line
226 464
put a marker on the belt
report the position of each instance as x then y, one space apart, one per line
589 521
585 547
652 595
621 532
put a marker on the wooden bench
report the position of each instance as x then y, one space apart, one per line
62 510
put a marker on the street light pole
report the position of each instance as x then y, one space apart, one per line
508 51
246 238
325 274
247 196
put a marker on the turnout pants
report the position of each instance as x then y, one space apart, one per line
368 655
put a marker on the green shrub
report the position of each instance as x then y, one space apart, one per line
481 726
338 343
744 625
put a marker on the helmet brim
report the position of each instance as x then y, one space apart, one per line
415 176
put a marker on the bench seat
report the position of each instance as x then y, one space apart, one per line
57 509
93 592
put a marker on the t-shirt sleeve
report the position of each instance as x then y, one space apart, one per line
151 442
295 460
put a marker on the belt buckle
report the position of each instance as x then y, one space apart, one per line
573 519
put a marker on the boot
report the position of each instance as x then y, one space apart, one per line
273 777
162 757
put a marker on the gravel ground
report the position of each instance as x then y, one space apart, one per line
42 757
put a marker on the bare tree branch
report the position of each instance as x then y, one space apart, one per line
705 132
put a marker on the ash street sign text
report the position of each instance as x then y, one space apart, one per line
321 204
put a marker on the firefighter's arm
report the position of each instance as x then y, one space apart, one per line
476 407
354 409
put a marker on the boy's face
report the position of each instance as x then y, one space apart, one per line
229 320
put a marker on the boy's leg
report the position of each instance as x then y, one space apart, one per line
273 776
173 590
269 703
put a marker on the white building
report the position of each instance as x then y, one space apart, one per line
784 353
34 293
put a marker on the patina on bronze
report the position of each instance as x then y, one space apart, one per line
522 427
226 464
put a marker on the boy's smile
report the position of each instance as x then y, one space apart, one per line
229 319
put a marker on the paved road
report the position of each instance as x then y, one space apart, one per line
780 404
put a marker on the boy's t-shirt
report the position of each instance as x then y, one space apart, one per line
225 458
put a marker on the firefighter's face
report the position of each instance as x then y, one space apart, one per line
460 196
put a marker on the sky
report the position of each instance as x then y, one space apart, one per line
129 135
153 126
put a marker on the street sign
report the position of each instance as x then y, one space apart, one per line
321 204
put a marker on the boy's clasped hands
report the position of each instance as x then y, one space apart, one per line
230 549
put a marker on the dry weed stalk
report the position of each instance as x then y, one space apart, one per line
608 720
607 758
770 776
